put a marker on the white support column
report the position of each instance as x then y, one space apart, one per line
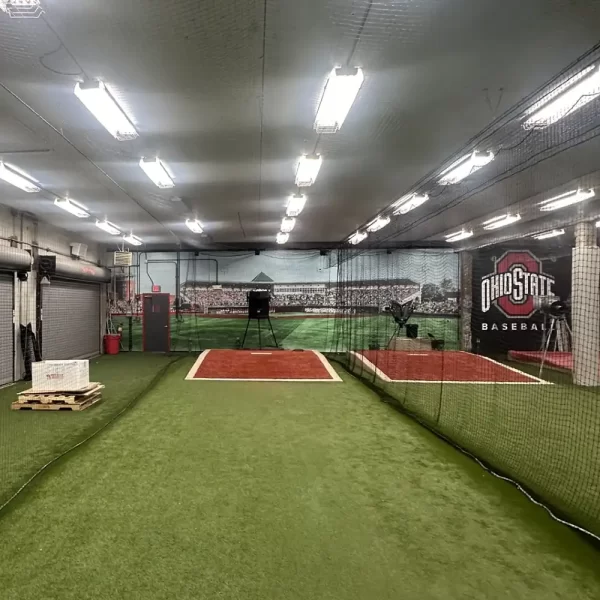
585 301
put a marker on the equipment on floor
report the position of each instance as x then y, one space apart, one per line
557 335
401 313
258 310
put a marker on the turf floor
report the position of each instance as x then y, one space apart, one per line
327 334
208 490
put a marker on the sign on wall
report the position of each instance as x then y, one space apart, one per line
509 285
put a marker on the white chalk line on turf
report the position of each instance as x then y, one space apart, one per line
334 377
377 371
194 369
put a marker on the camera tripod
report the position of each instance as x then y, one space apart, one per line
562 338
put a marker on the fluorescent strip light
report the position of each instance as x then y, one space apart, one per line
377 224
549 234
133 240
501 221
98 100
156 171
194 225
565 99
340 92
357 237
295 205
408 203
108 227
287 224
465 166
460 235
566 199
22 9
13 176
73 207
282 238
308 169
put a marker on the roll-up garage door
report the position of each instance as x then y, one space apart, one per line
6 328
71 320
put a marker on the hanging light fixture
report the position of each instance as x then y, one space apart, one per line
73 207
287 224
575 93
358 237
308 169
194 225
99 101
133 240
458 236
567 199
157 172
340 92
408 203
108 227
295 205
17 178
377 224
549 234
501 221
465 166
282 238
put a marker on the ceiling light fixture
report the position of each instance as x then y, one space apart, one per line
295 205
465 166
108 227
308 169
566 199
282 238
377 224
194 225
73 207
408 203
549 234
98 100
358 237
565 99
134 240
458 236
340 92
157 172
22 9
287 224
15 177
501 221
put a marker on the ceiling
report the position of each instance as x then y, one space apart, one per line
226 91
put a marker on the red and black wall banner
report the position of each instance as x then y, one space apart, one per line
508 285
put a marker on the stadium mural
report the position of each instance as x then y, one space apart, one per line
207 289
511 290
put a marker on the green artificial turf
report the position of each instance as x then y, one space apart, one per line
280 491
547 437
327 334
29 439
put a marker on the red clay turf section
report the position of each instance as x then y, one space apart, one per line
448 366
261 365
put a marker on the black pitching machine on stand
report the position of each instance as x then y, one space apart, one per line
258 310
557 336
401 313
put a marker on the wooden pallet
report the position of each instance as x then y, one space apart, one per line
37 405
60 397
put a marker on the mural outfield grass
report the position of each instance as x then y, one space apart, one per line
328 334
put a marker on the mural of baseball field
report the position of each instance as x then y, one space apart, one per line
317 301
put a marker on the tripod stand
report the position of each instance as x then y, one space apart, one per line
562 338
258 320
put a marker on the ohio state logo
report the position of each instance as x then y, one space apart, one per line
517 279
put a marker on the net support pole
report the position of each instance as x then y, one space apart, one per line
585 303
466 300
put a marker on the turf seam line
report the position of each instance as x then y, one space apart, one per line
92 435
488 468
